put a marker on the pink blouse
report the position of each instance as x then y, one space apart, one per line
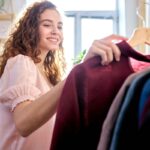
22 81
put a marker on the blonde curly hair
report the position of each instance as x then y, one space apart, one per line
24 39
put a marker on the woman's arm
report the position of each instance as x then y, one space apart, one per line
29 116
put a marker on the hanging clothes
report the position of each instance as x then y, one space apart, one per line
143 133
145 95
142 142
110 120
125 130
92 88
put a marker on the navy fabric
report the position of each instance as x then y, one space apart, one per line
142 142
145 110
145 94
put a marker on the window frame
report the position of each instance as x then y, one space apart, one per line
78 15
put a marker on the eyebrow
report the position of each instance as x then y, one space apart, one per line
60 23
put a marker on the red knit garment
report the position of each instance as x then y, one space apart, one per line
87 95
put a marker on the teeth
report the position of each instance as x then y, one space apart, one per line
52 39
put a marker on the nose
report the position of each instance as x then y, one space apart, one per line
54 30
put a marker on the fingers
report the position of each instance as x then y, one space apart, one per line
107 50
114 37
98 50
116 51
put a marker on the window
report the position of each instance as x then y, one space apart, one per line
90 25
94 28
91 20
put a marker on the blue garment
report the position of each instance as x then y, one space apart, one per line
126 128
145 94
142 142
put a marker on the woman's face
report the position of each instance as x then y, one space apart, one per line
50 30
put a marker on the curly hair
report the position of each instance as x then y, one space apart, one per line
24 39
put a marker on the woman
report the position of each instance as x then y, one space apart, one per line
32 64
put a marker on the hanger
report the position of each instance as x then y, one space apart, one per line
140 36
140 16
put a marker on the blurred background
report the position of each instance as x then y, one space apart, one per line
85 20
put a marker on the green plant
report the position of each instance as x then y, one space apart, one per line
79 57
1 3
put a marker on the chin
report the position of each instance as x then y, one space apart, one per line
53 48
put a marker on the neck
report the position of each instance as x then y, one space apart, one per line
42 57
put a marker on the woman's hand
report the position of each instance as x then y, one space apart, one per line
106 49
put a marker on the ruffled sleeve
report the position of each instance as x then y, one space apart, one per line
18 82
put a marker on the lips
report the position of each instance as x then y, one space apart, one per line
53 39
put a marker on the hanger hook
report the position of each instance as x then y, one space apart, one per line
140 16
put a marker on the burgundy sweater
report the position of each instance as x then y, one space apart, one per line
87 95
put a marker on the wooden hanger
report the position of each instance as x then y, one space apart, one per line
140 36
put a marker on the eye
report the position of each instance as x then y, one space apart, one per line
60 27
47 25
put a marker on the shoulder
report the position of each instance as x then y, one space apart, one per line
20 60
19 66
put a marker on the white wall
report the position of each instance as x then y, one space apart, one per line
18 5
128 16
